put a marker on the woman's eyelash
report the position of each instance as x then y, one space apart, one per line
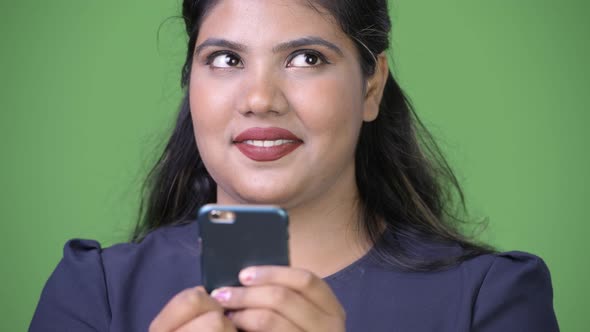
320 56
209 59
324 60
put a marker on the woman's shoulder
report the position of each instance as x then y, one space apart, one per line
495 269
158 242
506 291
488 277
512 291
504 263
134 278
163 253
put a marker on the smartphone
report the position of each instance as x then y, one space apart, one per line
233 237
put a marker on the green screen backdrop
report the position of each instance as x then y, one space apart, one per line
89 90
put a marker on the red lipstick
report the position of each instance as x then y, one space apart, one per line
267 144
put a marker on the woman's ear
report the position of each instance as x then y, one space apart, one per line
374 90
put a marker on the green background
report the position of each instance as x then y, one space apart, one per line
89 89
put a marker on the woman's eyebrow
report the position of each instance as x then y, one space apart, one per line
219 42
306 41
292 44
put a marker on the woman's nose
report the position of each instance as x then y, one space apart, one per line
263 94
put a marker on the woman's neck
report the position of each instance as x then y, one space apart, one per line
326 235
325 231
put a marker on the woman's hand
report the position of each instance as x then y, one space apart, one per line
192 310
280 298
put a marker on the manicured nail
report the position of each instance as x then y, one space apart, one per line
247 275
222 295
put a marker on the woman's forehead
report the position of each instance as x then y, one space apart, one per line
265 20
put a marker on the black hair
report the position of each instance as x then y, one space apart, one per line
402 177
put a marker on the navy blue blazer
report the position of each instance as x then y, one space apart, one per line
122 288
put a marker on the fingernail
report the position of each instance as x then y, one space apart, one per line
221 295
247 275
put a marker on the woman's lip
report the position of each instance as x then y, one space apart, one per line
255 143
265 134
271 153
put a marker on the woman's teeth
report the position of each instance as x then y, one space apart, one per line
267 144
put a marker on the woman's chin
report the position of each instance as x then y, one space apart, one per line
260 196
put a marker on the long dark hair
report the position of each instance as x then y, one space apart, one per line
403 178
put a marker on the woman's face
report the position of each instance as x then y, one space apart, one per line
277 101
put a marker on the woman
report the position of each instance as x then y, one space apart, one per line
292 103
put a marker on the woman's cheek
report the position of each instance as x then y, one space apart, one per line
328 104
211 107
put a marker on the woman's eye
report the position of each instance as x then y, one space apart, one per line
305 60
224 60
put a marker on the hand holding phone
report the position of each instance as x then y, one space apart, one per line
235 237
